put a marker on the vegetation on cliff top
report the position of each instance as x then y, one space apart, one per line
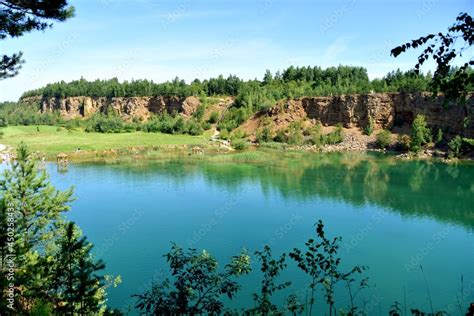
291 82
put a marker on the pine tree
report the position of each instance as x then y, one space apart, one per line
37 206
75 284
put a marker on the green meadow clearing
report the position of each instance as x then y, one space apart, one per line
50 140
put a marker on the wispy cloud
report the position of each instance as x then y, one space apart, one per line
338 47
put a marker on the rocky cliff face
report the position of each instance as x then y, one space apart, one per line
127 107
386 109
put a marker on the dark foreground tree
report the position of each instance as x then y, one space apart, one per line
445 49
198 287
18 17
320 261
271 268
46 266
74 282
35 207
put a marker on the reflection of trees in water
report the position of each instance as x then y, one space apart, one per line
411 188
418 176
453 170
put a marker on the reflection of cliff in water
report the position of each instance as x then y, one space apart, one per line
415 188
412 188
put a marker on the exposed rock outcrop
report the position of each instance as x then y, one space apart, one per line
127 107
386 110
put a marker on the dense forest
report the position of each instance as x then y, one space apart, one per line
292 82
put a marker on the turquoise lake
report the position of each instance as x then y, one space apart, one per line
394 216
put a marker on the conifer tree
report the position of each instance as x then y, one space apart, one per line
54 268
37 208
75 285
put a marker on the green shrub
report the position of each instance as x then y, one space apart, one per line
214 117
420 133
42 308
179 126
315 134
206 126
295 137
234 117
239 144
455 145
224 134
369 129
237 134
153 125
169 124
199 113
104 123
273 145
295 134
333 137
130 127
264 135
194 128
404 142
439 136
280 136
70 127
384 138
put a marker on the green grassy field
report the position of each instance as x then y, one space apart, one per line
51 141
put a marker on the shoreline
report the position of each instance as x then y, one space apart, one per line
201 148
207 153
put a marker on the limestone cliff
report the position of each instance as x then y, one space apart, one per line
127 107
386 109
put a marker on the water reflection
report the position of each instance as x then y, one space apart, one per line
412 188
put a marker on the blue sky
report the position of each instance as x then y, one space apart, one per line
158 40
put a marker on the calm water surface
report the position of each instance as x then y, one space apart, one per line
393 216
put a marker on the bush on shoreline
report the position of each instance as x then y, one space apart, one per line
384 139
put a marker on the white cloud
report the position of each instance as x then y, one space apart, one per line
336 48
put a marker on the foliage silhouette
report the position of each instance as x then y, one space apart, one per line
455 82
20 17
320 261
271 269
198 286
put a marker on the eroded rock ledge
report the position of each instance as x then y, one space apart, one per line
127 107
386 109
